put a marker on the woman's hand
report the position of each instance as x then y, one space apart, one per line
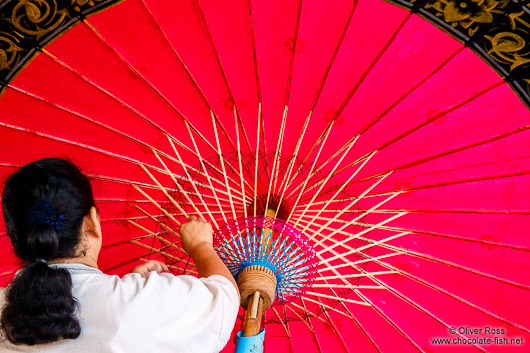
151 265
194 234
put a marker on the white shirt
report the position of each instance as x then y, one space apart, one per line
161 313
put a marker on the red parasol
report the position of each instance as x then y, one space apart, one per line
387 143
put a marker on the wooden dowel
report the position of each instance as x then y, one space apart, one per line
253 315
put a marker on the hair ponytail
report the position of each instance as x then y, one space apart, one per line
40 306
44 206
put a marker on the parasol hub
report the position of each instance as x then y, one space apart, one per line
256 278
271 248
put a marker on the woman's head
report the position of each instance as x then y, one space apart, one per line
44 205
47 205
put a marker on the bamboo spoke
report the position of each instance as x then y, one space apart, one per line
181 190
439 289
157 236
346 264
283 185
153 218
221 158
235 193
337 298
256 159
310 171
356 219
356 235
326 306
452 264
370 188
356 275
161 188
277 155
308 312
164 253
349 286
199 195
163 210
287 333
315 194
242 183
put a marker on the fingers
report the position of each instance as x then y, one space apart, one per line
198 219
151 265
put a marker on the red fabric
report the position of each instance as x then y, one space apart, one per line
450 132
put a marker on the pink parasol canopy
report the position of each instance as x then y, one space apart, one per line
392 140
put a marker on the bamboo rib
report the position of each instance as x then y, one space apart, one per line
158 251
357 275
354 220
221 158
157 236
287 333
156 204
365 299
239 159
93 84
385 240
277 154
350 249
170 198
223 73
329 268
187 71
325 306
308 312
359 224
376 280
412 231
283 184
441 290
310 325
256 159
370 188
218 182
279 148
410 302
152 217
333 326
313 165
356 235
331 173
351 286
181 190
338 151
392 323
334 270
147 82
326 180
309 175
187 166
199 195
337 298
452 264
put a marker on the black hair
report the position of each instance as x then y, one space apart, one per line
39 304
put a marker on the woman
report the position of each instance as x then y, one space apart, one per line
61 302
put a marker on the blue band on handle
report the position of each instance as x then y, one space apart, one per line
252 344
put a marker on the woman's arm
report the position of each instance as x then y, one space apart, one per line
197 240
